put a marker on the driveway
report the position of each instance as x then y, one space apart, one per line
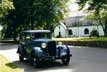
85 59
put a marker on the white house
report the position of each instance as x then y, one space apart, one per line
77 27
60 31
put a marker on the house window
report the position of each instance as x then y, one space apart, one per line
86 31
70 32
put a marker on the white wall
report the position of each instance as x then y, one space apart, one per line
62 30
79 31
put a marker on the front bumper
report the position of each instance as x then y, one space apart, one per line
47 58
44 58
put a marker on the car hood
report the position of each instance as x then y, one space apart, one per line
43 40
37 42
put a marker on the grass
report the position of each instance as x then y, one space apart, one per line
82 39
94 39
89 39
7 66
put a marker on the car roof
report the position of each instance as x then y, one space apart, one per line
36 31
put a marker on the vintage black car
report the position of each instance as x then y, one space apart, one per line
37 46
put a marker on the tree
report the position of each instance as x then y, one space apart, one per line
99 8
34 14
0 1
40 13
5 6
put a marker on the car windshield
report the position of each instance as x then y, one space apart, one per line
36 35
40 35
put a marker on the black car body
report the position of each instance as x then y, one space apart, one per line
37 46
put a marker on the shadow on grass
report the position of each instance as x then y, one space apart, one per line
28 66
12 65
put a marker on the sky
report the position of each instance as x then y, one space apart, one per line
74 10
0 27
73 6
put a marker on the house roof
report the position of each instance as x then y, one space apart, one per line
79 21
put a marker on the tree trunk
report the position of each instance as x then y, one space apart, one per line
104 26
32 24
105 30
49 26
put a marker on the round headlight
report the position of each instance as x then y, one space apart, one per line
43 45
59 43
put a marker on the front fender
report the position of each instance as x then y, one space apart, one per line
63 50
38 52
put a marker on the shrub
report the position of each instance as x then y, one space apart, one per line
94 33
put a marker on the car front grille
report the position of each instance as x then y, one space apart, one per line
52 48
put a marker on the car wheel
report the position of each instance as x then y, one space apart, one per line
21 58
35 62
65 60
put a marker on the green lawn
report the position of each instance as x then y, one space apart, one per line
7 66
82 39
94 39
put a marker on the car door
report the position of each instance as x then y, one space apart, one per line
28 47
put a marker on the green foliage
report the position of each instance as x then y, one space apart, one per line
34 14
40 13
4 7
93 4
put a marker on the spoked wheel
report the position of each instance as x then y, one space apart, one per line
65 60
